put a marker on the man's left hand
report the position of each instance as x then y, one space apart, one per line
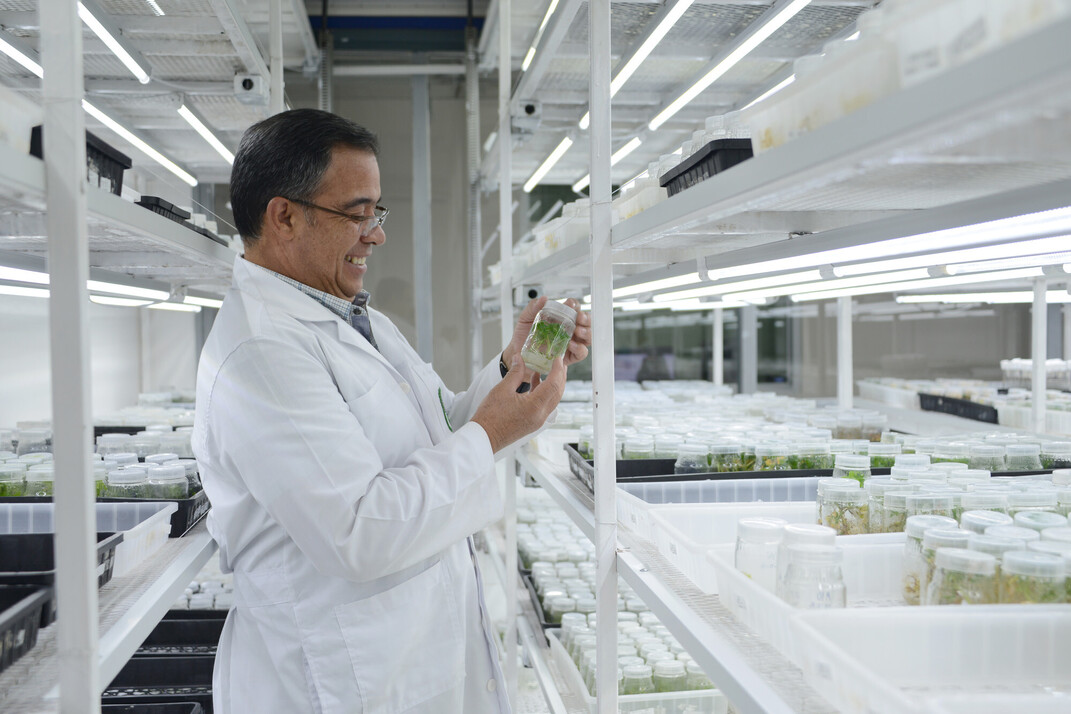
578 345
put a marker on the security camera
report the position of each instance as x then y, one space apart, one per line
251 89
526 116
523 294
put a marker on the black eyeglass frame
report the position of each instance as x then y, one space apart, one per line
379 214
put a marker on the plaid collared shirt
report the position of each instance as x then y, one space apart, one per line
355 313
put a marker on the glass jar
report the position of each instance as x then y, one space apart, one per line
963 577
771 457
861 447
849 426
1036 500
985 501
549 337
799 534
667 446
587 670
845 510
813 578
39 480
573 630
167 481
1022 457
811 456
1056 454
852 466
1063 501
670 676
639 446
629 660
579 644
100 479
649 648
1039 520
820 494
584 442
127 482
933 540
911 461
1057 535
883 456
978 521
987 456
876 489
12 479
952 453
692 459
1032 577
756 549
913 564
178 443
697 678
637 680
113 443
145 444
873 426
924 504
994 545
33 441
726 456
895 510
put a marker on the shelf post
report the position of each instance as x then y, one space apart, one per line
1067 330
472 125
602 368
275 50
505 246
845 379
422 230
1039 353
749 349
68 318
718 366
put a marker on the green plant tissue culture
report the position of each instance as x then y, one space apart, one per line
547 341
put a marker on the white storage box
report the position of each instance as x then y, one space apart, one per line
636 500
706 701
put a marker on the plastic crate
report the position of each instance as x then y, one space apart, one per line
901 660
104 165
145 529
162 680
29 558
635 500
22 614
185 632
173 708
705 701
964 408
715 157
164 208
189 511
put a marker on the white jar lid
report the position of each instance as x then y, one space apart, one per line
1061 477
12 469
559 310
160 458
760 530
884 449
123 458
949 466
1023 534
990 450
852 461
812 533
1039 520
994 545
910 460
41 472
669 668
966 561
128 475
978 521
1036 498
1023 450
917 525
1060 534
637 671
810 554
945 538
1032 563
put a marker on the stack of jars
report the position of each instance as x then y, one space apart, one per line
799 562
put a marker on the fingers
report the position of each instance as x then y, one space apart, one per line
552 388
517 373
528 314
575 353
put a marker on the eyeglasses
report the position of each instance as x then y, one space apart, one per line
367 224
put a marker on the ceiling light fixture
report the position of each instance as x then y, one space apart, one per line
824 285
771 91
118 301
1010 297
157 10
23 292
203 302
772 25
986 252
1025 261
19 275
194 119
547 165
109 33
633 144
138 143
921 284
539 35
175 307
743 285
131 290
22 53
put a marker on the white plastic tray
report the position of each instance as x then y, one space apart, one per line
708 701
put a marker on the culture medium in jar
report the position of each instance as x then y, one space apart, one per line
39 480
127 482
1039 520
952 453
978 521
800 534
584 442
814 579
923 504
670 676
692 459
697 678
987 456
12 479
852 466
883 456
845 510
1056 454
1035 500
549 337
876 489
849 426
637 680
963 577
640 446
167 481
756 549
771 457
873 426
1031 577
934 540
1022 457
913 564
811 456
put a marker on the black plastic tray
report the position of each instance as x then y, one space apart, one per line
172 708
715 157
162 680
164 208
131 430
108 162
185 632
958 407
22 614
29 558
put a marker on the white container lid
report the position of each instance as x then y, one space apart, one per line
123 458
1039 520
190 465
949 466
167 473
853 462
128 475
809 554
559 310
760 530
1032 499
909 460
637 671
957 450
827 483
994 545
978 521
1032 563
669 668
945 538
1061 477
885 449
927 475
1024 534
989 450
9 470
966 561
917 525
160 458
1060 534
112 439
1022 450
809 533
928 501
1056 447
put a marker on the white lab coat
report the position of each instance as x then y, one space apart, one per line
343 504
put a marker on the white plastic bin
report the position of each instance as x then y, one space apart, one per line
706 701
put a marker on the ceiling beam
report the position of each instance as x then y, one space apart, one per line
129 86
240 36
132 24
559 24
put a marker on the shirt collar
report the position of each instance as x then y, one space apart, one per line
339 306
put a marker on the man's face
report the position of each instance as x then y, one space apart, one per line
331 253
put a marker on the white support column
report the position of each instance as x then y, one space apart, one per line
68 262
422 298
1039 339
1067 331
474 147
505 246
749 349
602 368
275 49
718 367
845 379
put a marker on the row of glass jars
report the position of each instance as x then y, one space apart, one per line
119 476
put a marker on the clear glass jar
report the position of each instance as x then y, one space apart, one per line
638 679
39 480
629 660
924 504
861 447
728 456
811 456
33 441
813 578
852 466
771 457
911 461
640 446
579 644
1057 535
178 443
1032 577
845 510
756 549
12 479
873 426
985 501
883 456
167 481
849 426
799 534
1022 457
587 670
1036 500
145 444
913 564
933 540
876 489
692 459
987 456
549 337
994 545
697 678
667 446
1056 455
649 648
670 676
127 482
895 512
952 453
584 442
963 577
1039 520
978 521
113 443
573 630
820 495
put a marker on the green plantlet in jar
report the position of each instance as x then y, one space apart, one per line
774 463
882 462
1051 461
723 463
549 339
169 491
958 588
847 519
670 684
747 461
12 489
1026 589
895 520
811 462
637 686
949 459
859 476
100 486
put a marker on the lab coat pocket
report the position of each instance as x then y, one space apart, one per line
405 644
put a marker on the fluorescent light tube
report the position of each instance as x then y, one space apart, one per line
633 144
19 275
986 252
118 301
138 143
203 302
997 298
118 289
539 35
921 284
1025 261
677 305
23 292
772 91
825 285
547 165
528 59
648 45
102 26
198 124
22 53
156 9
651 286
775 280
175 307
771 26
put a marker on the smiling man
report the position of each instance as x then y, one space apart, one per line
345 478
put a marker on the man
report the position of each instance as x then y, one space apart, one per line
345 478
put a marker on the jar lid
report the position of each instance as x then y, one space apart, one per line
1017 532
884 449
559 310
841 446
694 668
637 671
571 620
966 561
760 530
878 488
927 475
1061 477
1023 450
562 602
160 458
1059 534
810 554
978 521
41 472
640 441
849 420
945 538
112 438
124 458
845 494
169 472
910 460
811 448
1039 520
896 499
772 450
994 545
669 668
853 461
949 466
991 450
972 475
626 616
10 470
35 458
800 533
917 525
1051 546
660 656
1033 498
585 605
1032 563
190 465
128 475
826 483
929 501
957 449
692 449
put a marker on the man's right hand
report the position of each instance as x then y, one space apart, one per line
507 416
